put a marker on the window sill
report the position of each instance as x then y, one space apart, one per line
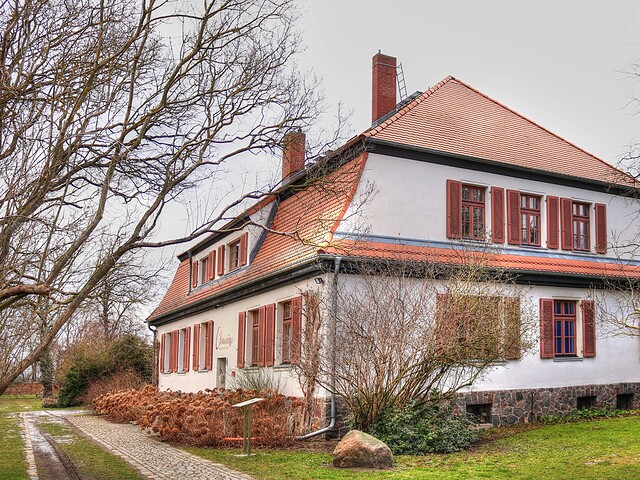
283 366
182 373
203 370
567 359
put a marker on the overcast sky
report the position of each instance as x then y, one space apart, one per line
560 63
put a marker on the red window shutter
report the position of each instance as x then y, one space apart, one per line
566 224
601 228
588 329
546 328
244 241
513 217
194 273
196 347
512 328
552 222
270 335
211 265
454 209
208 348
296 329
162 347
221 260
242 326
261 336
187 349
497 214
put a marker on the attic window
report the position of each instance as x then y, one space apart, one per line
203 270
234 255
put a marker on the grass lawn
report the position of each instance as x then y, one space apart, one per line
602 449
12 463
19 403
91 460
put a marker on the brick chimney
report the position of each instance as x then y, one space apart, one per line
293 156
383 85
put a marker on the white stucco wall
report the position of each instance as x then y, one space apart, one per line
410 201
617 359
226 342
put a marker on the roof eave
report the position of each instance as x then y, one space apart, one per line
608 186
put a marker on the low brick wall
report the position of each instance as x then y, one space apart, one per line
28 389
509 407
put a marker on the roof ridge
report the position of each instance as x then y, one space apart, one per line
527 119
409 106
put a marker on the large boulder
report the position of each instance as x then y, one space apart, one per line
361 450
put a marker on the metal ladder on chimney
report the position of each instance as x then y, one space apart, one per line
402 86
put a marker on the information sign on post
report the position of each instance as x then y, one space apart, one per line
247 411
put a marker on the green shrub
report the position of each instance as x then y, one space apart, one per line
587 414
95 361
418 429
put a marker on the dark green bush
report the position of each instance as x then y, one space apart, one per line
418 429
93 361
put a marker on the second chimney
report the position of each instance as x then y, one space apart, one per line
293 157
383 86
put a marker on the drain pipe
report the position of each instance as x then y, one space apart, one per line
156 373
333 331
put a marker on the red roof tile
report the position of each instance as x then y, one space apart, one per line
454 117
489 258
303 223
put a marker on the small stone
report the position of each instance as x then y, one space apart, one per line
361 450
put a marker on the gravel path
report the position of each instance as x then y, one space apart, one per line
154 459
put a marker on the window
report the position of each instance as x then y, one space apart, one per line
580 221
181 349
234 255
530 220
204 270
203 346
287 329
560 333
166 352
481 412
624 401
472 212
478 326
255 336
169 350
583 403
564 328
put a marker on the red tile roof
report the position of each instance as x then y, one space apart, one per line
304 223
456 118
451 117
489 258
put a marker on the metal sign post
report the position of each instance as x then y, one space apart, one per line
247 410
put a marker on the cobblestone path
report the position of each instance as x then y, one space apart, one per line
154 459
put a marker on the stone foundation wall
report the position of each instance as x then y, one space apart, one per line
522 406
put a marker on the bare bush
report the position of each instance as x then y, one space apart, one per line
104 122
205 418
418 331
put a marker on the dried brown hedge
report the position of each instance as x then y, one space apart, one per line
205 418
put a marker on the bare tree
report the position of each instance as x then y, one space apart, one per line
104 122
418 331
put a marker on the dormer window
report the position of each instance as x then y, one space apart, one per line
203 270
234 255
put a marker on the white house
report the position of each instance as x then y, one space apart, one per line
448 165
